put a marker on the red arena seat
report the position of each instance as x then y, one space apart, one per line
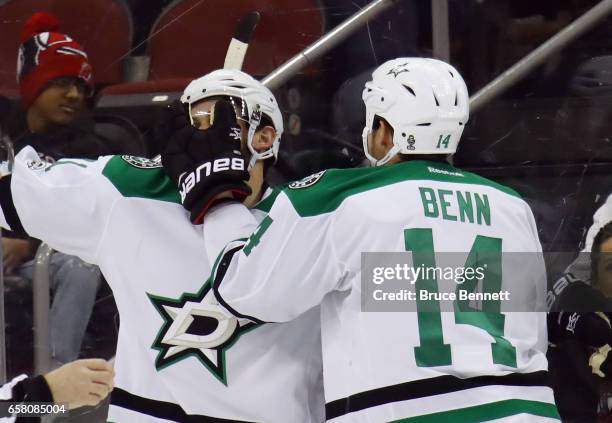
187 41
190 37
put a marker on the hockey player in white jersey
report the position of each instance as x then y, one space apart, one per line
179 358
428 366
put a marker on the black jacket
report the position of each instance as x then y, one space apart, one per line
77 140
576 388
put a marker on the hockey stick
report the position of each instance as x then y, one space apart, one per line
238 46
237 49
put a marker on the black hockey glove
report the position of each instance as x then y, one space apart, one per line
590 328
207 163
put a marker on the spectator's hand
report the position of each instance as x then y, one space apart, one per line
601 361
81 382
16 252
207 164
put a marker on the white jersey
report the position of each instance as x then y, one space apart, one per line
177 354
6 395
429 366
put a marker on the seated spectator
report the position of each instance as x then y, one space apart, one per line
55 80
580 334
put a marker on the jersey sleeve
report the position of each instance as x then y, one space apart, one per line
224 224
284 268
65 204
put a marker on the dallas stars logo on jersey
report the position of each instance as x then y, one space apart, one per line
142 162
307 181
196 326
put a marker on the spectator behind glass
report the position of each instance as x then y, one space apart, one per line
581 336
55 79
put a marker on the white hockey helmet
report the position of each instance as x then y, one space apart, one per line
239 85
425 101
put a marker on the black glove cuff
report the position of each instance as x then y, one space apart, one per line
198 209
33 389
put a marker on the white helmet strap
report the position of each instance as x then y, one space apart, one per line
373 160
254 121
390 154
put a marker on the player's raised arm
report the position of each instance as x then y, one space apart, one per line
285 267
65 204
209 169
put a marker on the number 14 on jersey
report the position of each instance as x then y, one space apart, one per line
485 253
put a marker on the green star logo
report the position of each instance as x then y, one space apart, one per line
195 325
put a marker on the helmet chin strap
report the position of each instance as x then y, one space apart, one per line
373 160
364 137
390 154
190 115
254 122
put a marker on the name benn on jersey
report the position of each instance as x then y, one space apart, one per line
218 165
468 206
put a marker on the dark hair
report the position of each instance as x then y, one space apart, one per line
604 234
377 121
266 121
407 157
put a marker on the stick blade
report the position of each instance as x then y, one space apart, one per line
246 27
237 50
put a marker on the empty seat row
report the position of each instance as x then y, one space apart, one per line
188 39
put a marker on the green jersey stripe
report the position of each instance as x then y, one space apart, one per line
489 411
324 192
266 204
134 181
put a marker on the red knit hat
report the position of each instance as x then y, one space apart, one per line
45 54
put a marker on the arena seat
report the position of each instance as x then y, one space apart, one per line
89 22
187 41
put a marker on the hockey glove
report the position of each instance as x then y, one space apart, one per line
205 164
590 328
168 121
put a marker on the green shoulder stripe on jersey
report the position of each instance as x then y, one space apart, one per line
266 204
331 188
486 412
133 181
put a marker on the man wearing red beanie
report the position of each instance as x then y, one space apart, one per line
53 73
55 79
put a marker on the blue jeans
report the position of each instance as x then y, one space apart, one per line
74 285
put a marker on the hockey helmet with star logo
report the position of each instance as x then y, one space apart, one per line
425 101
